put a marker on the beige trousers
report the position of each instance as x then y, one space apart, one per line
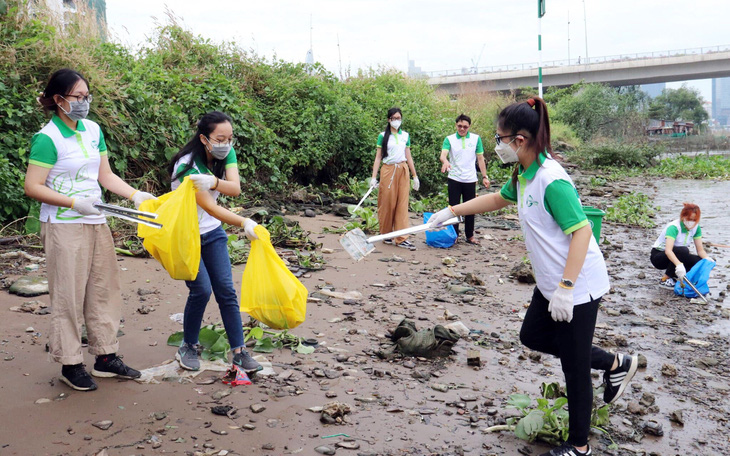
85 287
393 190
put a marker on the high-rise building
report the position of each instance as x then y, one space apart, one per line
721 101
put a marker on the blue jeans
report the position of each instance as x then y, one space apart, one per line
214 276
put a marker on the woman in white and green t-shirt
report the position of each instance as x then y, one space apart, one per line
68 161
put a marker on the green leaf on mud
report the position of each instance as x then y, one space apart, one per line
304 349
264 345
175 339
528 427
519 401
256 333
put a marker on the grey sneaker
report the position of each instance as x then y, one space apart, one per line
187 356
246 363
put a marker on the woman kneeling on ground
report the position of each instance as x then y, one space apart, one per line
569 268
671 249
210 161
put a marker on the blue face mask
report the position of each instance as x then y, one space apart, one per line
77 109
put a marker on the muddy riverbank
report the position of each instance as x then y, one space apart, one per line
404 405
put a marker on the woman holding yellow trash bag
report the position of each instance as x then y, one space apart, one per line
210 161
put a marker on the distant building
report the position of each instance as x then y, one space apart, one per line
63 7
672 128
721 101
654 90
413 70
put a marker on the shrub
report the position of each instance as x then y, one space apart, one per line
609 153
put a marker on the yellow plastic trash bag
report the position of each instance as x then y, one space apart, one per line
177 244
269 291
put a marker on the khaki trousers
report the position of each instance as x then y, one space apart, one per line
393 190
85 287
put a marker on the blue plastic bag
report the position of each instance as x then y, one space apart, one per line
442 239
698 275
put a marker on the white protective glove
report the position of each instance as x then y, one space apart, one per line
374 182
203 181
680 271
248 226
85 206
438 218
561 304
416 184
139 197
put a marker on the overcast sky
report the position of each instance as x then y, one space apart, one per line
437 35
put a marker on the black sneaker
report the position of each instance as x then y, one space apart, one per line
246 363
388 242
617 379
112 366
567 449
407 245
75 376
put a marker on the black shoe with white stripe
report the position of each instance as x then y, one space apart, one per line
567 449
617 379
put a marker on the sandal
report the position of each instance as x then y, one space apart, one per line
473 240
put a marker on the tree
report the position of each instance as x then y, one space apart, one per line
684 103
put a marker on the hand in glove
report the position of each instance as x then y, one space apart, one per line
248 226
373 182
561 304
416 184
203 181
680 271
85 206
438 218
139 197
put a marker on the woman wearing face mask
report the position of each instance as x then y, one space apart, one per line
394 151
210 161
671 249
569 268
68 161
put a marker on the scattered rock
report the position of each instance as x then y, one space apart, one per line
309 213
103 425
220 394
348 445
257 408
523 273
34 307
652 427
669 370
29 286
160 416
42 400
145 309
324 449
334 412
677 416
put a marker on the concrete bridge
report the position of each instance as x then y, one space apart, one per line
622 70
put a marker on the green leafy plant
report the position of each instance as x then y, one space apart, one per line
547 419
632 209
267 341
238 248
367 219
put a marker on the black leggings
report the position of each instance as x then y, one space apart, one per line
468 191
660 261
573 344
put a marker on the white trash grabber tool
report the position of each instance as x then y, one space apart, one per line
359 246
361 201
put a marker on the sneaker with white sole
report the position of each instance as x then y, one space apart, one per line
617 379
407 245
388 242
75 376
668 282
567 449
187 357
111 365
246 363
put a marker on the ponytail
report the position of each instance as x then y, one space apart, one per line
530 116
386 135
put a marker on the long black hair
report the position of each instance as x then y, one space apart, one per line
531 116
386 135
195 146
60 83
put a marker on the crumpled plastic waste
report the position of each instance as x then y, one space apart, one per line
428 343
235 376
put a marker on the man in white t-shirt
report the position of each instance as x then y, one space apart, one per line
459 153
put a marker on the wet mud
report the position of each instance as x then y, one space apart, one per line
404 405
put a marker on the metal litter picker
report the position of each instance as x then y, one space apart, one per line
130 215
359 246
361 201
692 286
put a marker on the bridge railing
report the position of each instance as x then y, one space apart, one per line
578 61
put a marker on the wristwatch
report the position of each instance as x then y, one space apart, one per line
567 283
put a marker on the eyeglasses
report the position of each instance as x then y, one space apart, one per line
396 118
88 98
463 127
499 138
222 143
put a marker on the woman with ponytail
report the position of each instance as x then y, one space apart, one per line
394 150
569 268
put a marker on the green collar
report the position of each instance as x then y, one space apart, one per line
459 137
201 166
682 228
65 131
529 174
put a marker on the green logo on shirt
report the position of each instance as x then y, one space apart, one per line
530 201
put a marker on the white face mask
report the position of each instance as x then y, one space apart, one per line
505 152
689 224
395 124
